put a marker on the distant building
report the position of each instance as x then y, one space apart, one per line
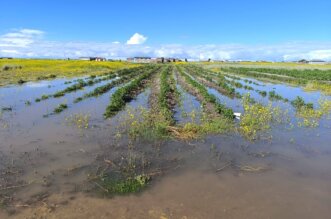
140 59
152 60
97 59
317 62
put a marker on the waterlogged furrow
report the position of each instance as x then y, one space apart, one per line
126 93
304 74
237 79
306 113
126 74
209 98
208 78
84 83
272 95
77 86
188 108
157 122
125 77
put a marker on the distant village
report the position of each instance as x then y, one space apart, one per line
136 59
146 59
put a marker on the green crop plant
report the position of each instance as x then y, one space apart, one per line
60 108
274 96
305 74
299 103
125 94
220 80
220 108
125 77
167 90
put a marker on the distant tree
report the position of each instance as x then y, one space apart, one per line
185 60
303 61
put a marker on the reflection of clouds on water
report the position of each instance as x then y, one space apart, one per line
37 84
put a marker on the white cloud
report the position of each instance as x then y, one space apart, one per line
314 54
136 39
32 32
31 43
20 38
10 51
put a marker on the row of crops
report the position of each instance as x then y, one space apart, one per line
216 116
305 74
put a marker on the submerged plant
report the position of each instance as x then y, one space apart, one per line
44 97
80 120
274 96
310 117
299 103
60 108
263 93
128 185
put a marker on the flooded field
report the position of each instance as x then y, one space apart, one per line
164 141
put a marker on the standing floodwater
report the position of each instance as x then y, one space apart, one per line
161 141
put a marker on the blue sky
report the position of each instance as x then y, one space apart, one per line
256 29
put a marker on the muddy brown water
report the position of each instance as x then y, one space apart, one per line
287 176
